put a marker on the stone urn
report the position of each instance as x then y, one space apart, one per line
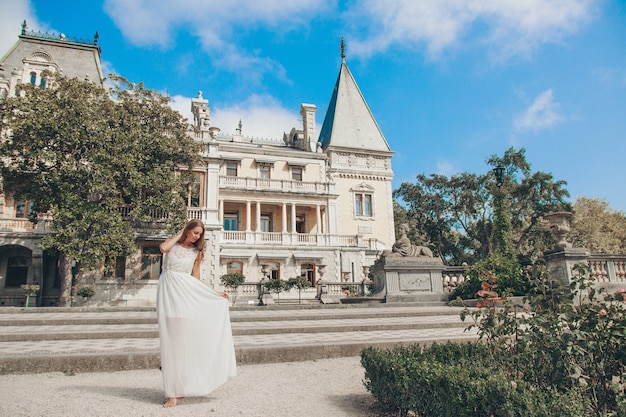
559 227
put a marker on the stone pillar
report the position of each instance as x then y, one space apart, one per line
257 227
563 257
560 262
248 216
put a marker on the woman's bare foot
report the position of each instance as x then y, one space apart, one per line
171 402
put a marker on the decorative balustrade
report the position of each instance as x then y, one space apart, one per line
308 239
18 225
247 289
452 277
276 185
607 268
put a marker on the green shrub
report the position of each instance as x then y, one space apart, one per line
454 380
86 292
511 279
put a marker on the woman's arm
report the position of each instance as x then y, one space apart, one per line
195 271
170 242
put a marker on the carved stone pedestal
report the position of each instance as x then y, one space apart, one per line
408 279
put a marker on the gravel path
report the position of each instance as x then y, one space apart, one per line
329 387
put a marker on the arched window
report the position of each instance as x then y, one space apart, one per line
308 270
17 271
33 79
274 270
43 83
234 267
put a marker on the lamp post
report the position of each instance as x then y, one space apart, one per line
498 172
501 232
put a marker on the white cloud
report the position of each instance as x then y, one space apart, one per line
543 113
14 12
612 77
261 116
510 27
216 23
446 168
182 104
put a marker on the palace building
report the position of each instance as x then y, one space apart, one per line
308 204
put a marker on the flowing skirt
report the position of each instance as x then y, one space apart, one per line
197 351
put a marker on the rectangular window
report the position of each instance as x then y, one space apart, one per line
194 193
230 221
266 222
265 171
23 209
363 204
296 173
231 169
151 261
114 267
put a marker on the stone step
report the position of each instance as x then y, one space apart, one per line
82 341
44 316
33 332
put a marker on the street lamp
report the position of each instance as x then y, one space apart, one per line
498 172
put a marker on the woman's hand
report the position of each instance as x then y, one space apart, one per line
223 294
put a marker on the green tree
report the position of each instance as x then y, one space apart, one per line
97 162
456 215
597 227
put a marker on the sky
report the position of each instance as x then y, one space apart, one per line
450 83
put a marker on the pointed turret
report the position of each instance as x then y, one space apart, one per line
359 164
349 123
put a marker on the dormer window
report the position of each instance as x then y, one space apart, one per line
264 168
265 171
231 168
296 173
297 169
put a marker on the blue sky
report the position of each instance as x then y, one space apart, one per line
449 82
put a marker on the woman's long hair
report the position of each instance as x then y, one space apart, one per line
192 224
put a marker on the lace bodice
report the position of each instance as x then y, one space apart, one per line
180 259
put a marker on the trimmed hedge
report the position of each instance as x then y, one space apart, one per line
456 380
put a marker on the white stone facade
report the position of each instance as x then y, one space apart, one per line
297 205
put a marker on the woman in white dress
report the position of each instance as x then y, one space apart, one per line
197 351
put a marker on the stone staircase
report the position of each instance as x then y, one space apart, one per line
81 340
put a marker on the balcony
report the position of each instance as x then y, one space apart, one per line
298 239
24 225
290 186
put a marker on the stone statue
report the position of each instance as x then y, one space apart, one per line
404 247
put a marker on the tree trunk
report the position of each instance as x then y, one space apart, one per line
65 270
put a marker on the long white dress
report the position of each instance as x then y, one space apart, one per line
197 351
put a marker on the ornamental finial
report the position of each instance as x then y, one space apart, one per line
343 49
24 27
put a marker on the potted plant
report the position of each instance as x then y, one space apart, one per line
30 290
233 280
300 283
